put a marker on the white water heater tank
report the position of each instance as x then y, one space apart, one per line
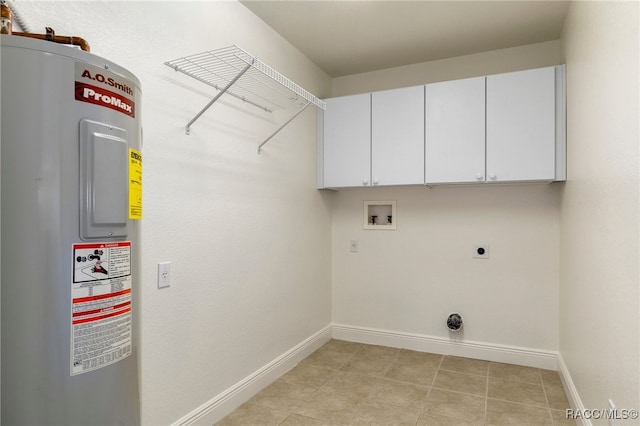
71 187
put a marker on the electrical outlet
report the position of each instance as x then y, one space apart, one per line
481 251
355 246
164 274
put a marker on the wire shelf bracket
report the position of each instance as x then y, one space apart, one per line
235 72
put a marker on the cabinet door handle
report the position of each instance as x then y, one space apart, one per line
365 181
479 176
492 176
375 181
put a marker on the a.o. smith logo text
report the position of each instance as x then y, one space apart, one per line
109 81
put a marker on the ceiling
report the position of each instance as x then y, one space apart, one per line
350 37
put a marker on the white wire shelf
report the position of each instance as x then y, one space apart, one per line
235 72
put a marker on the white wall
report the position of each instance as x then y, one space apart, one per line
248 235
409 280
600 219
485 63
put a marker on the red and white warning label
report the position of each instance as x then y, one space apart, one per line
101 317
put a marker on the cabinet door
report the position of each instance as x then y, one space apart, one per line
455 139
397 136
347 141
521 125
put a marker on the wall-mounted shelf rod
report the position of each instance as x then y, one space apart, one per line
223 91
282 127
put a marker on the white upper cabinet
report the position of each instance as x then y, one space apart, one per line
521 126
500 128
455 139
397 136
347 142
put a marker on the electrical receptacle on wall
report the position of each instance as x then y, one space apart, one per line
164 274
481 251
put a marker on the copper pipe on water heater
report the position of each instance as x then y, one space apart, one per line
50 36
5 28
5 18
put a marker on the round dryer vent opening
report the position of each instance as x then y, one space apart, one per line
454 322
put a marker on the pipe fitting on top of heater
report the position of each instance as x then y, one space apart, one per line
51 36
5 18
6 28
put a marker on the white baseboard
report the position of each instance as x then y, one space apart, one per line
478 350
223 404
571 391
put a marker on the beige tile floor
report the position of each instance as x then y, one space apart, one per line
345 383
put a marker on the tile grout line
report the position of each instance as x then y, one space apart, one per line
433 381
486 397
546 398
355 415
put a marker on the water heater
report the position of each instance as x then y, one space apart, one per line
71 188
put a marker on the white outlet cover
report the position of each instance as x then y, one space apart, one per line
164 274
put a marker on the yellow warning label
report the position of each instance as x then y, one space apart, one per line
135 184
